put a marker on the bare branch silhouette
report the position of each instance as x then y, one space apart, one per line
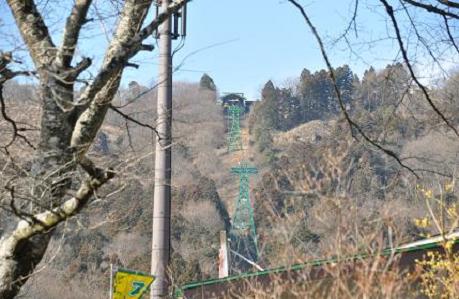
351 123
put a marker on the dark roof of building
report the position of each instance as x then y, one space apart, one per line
230 96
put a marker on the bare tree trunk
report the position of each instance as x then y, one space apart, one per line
54 153
66 130
14 270
54 161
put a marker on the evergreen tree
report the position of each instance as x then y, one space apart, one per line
307 103
345 81
265 118
368 94
207 82
384 88
289 114
324 94
317 94
269 109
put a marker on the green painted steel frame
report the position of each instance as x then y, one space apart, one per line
234 128
243 219
297 267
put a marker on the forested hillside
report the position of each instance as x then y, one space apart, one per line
116 229
240 149
323 183
317 183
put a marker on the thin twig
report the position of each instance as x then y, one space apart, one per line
390 12
351 123
126 116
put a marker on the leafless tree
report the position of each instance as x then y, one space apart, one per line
68 124
439 31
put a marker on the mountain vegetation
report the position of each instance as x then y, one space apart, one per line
320 181
312 170
348 164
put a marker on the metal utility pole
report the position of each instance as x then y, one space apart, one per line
160 253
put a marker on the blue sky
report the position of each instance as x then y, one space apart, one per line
259 40
242 44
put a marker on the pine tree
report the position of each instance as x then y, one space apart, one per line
289 113
207 82
266 118
345 81
269 107
306 101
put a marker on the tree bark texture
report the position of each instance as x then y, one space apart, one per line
68 125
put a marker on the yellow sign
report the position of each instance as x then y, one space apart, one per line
130 284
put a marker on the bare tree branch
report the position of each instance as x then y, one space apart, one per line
72 29
101 92
13 124
449 3
129 118
5 75
126 44
390 12
420 38
33 30
66 133
432 9
49 219
352 23
351 123
450 36
30 218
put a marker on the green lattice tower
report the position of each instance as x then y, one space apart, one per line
234 128
243 237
